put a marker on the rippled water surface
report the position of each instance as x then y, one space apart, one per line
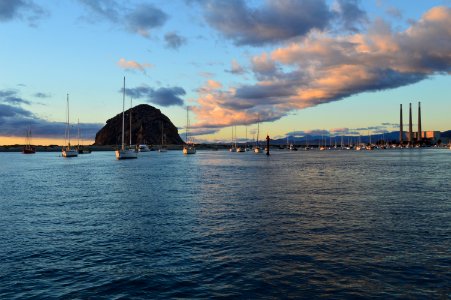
217 224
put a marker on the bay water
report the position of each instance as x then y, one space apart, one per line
305 224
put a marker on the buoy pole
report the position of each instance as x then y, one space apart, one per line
267 144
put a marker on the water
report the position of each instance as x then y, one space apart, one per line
234 225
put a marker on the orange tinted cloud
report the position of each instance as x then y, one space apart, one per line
321 68
133 65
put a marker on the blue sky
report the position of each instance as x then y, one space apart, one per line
301 65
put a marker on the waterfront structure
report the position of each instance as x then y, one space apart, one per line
419 137
410 137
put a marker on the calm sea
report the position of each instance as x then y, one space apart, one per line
335 224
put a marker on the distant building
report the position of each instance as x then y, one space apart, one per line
434 136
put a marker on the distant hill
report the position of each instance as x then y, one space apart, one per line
446 134
147 124
316 140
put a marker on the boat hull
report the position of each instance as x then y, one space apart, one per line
28 151
126 154
189 150
69 153
258 150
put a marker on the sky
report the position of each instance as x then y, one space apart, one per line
294 66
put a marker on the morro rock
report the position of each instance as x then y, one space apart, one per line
148 125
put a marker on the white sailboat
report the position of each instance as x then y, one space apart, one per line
67 151
125 152
189 147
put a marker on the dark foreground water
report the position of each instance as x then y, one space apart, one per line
300 224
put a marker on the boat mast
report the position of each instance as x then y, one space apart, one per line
123 117
131 105
78 137
68 128
162 133
258 128
186 131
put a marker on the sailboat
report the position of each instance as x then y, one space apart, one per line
233 146
189 147
67 151
28 149
257 148
163 147
246 147
239 148
125 152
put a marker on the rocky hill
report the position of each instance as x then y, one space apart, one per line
147 124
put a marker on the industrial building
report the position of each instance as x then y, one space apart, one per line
412 137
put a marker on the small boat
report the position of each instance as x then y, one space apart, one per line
28 148
125 152
293 148
67 151
189 147
143 148
240 149
257 149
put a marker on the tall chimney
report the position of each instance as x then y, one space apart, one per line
420 135
400 126
410 125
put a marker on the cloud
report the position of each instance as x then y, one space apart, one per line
7 111
140 19
272 22
133 65
350 15
322 68
107 9
269 22
14 121
394 12
263 66
173 40
162 96
21 9
11 97
41 95
144 18
236 68
198 132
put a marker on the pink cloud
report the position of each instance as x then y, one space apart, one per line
322 68
133 65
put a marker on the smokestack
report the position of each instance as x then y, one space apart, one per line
419 136
400 126
410 124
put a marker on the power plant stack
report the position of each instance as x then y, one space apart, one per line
410 136
410 125
419 135
401 140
